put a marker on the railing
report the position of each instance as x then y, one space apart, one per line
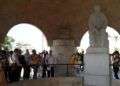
60 70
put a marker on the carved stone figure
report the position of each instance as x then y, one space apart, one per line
97 29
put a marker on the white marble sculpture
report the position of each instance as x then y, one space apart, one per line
97 29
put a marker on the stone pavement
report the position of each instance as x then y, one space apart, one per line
61 81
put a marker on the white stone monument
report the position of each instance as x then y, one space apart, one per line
97 29
97 70
62 50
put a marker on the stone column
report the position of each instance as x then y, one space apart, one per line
62 50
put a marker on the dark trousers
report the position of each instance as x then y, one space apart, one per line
44 71
51 72
26 74
35 70
116 70
14 74
18 73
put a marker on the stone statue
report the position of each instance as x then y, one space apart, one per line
97 29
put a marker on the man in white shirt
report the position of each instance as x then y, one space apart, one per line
51 62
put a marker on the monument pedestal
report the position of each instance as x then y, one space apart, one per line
63 50
97 69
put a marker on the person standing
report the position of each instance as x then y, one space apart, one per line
51 62
27 66
34 63
17 65
116 61
44 64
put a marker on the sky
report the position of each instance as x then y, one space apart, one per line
29 34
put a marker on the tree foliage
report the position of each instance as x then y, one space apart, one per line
7 44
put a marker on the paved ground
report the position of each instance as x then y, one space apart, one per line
56 81
60 81
66 81
116 83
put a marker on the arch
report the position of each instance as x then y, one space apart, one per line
112 33
22 29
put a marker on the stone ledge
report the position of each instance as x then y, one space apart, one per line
63 42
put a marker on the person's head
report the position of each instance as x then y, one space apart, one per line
33 51
16 50
43 51
20 51
82 52
3 53
116 53
11 52
27 51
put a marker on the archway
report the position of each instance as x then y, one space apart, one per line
27 36
113 37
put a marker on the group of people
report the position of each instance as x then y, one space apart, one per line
76 60
14 61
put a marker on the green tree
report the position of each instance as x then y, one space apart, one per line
7 44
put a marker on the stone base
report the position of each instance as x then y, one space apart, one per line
97 70
62 50
97 80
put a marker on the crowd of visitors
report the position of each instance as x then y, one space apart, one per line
76 61
14 61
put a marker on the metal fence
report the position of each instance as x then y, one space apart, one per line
60 70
